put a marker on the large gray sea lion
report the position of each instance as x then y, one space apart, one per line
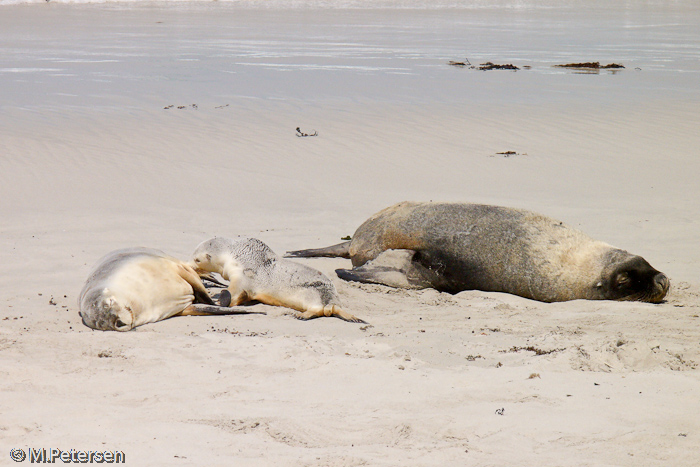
255 272
131 287
455 247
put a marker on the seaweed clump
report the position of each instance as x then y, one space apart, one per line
493 66
591 66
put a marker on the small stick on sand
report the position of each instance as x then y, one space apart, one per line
302 134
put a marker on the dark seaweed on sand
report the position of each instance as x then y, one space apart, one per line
493 66
531 348
460 64
591 65
302 134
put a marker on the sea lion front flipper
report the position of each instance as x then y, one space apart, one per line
395 268
210 278
201 309
226 299
201 295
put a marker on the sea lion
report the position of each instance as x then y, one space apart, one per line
456 246
135 286
255 272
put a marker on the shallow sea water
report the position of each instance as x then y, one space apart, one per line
143 53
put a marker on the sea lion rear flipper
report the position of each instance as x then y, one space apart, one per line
329 310
201 309
395 268
341 250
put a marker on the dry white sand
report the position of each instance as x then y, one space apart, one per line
91 161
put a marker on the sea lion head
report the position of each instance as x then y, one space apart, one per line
631 277
99 309
215 254
209 255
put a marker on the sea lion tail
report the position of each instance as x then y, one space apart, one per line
341 250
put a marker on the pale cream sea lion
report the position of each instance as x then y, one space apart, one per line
453 247
131 287
255 272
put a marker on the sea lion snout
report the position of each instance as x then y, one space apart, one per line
662 280
662 284
105 314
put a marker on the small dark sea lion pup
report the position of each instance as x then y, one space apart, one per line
456 246
135 286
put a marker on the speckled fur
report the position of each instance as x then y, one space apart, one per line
255 272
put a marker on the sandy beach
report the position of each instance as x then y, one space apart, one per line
164 124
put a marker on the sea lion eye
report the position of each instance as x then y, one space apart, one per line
196 260
622 279
120 323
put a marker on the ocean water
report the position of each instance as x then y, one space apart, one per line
364 4
135 53
95 89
